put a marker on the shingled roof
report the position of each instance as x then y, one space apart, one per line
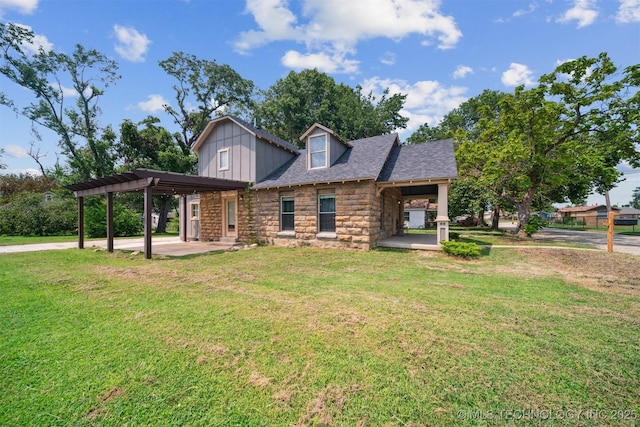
430 160
364 160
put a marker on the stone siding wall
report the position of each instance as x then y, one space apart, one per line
358 223
210 217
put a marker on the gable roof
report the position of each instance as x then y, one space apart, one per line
325 129
364 160
256 131
430 160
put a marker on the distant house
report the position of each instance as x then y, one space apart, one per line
331 193
419 213
631 213
590 216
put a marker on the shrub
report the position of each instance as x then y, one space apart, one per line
29 214
460 249
453 235
533 225
126 222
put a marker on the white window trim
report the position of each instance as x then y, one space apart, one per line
326 150
191 205
220 167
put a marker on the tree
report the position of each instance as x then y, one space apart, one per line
148 145
545 145
203 89
635 198
2 165
293 104
53 78
468 196
14 184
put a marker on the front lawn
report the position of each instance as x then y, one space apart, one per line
277 336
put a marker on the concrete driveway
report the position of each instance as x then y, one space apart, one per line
621 243
159 246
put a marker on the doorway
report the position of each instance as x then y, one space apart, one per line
229 214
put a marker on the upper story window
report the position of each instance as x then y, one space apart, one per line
318 151
223 159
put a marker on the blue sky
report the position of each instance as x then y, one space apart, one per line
440 53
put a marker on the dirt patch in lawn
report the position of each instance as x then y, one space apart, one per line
613 273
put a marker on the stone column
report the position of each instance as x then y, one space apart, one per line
443 212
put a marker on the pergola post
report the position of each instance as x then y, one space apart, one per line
80 222
110 222
443 212
147 222
183 218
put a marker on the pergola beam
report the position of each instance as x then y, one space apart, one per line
120 187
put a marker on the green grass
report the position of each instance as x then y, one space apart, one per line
304 337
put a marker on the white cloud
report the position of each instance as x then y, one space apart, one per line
323 61
427 101
16 151
517 74
629 11
462 71
153 103
520 12
38 41
329 29
389 58
25 7
27 171
583 11
131 45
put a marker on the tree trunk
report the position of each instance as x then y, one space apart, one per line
495 218
481 221
607 200
523 217
165 205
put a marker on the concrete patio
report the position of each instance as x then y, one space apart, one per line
170 246
425 242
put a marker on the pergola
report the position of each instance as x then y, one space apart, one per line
150 182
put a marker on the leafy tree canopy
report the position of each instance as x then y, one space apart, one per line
203 89
66 90
554 142
294 103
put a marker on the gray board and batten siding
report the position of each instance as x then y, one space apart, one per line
250 158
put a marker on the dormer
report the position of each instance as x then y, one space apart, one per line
323 146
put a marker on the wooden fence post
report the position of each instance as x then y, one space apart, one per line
610 224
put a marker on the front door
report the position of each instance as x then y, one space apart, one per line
229 214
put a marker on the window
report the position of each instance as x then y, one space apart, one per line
407 217
223 159
286 213
318 152
195 210
326 212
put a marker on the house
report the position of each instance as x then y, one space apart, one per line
629 213
590 216
331 193
253 186
419 213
